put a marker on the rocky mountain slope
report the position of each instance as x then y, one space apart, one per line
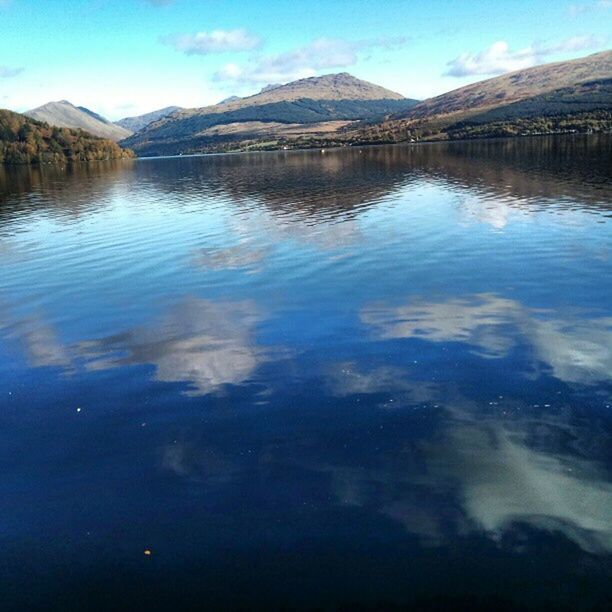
65 114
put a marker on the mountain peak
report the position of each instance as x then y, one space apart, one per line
62 113
311 106
335 86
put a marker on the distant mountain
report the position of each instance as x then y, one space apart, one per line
297 110
137 123
65 114
563 96
26 141
93 115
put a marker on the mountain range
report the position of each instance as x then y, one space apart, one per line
339 109
559 93
312 107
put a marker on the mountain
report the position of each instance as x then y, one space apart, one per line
269 87
316 106
135 124
341 86
25 141
65 114
517 86
563 96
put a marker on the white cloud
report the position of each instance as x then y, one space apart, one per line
216 41
306 61
229 72
6 72
575 10
574 43
499 58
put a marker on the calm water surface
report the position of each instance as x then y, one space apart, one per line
309 380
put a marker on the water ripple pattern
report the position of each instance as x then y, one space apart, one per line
309 379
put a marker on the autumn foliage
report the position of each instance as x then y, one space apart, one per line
26 141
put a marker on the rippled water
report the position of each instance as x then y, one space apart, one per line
378 376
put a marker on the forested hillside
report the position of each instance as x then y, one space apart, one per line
27 141
64 114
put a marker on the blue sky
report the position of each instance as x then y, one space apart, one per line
126 57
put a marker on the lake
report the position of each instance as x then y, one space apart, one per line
377 376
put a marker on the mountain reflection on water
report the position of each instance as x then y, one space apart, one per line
378 376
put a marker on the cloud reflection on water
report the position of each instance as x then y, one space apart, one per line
503 481
485 470
242 255
204 343
576 350
39 341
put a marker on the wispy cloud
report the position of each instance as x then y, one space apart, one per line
216 41
500 58
6 72
580 9
306 61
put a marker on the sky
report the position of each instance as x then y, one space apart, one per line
127 57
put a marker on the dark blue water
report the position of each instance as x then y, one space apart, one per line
309 380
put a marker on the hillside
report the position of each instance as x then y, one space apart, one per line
564 96
65 114
515 86
25 141
139 122
318 105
